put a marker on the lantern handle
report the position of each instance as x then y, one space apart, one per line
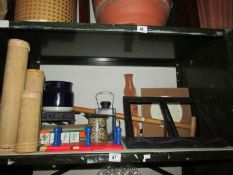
104 92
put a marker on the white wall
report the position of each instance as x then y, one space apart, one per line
88 80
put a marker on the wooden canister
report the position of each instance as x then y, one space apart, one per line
29 122
46 10
13 86
34 81
99 129
130 90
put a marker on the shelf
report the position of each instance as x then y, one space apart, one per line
133 156
202 57
96 44
84 27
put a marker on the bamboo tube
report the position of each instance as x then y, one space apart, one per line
13 85
34 81
29 122
134 118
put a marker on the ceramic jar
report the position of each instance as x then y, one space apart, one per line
58 96
129 90
138 12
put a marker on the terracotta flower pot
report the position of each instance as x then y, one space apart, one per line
139 12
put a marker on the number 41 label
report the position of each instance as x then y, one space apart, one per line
114 157
142 29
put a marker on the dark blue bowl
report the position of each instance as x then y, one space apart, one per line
58 94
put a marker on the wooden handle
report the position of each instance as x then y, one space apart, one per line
134 118
193 126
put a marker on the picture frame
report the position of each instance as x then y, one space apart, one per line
173 140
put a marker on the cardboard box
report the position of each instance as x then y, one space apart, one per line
180 113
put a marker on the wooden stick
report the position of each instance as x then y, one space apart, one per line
193 126
134 118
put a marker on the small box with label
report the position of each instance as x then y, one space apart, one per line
70 134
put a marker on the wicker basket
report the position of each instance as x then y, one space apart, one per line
46 10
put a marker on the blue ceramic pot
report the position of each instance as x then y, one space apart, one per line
58 96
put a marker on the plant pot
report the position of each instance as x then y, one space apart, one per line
138 12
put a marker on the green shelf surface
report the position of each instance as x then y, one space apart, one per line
94 27
126 156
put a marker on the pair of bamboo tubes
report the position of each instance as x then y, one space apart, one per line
21 101
191 127
30 112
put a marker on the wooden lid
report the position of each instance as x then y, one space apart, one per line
35 72
19 43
